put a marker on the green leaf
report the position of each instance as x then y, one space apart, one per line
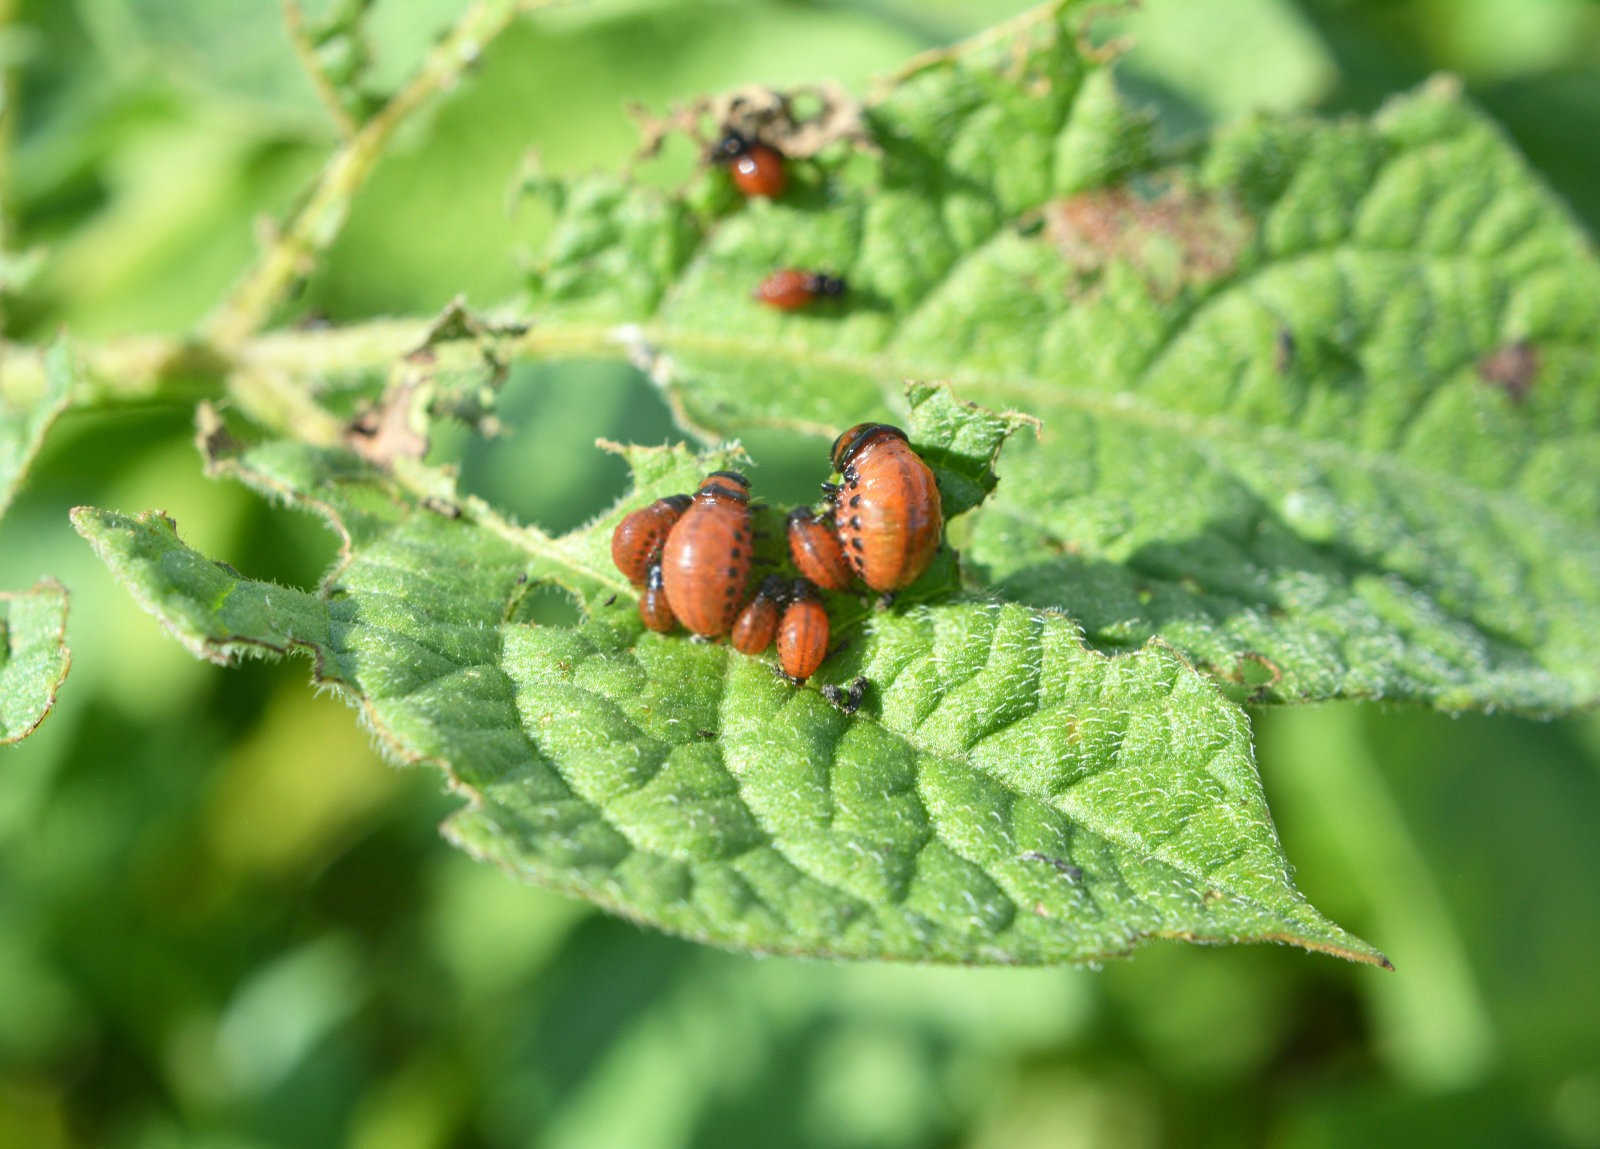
25 419
33 657
1318 404
1003 795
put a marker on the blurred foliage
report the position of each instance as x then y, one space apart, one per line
224 923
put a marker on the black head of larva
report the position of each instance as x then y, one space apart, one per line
725 485
851 443
679 503
774 588
826 286
730 147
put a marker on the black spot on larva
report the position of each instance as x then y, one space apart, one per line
855 500
736 552
733 572
855 522
856 543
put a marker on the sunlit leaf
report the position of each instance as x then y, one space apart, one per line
1318 404
1004 794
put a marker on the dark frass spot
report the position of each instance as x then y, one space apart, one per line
846 699
1283 351
1065 868
1512 368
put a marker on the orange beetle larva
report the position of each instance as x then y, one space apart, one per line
817 552
789 288
886 509
639 537
803 633
758 169
705 563
757 624
653 608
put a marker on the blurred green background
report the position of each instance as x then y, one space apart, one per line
223 922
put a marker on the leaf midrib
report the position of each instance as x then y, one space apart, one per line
616 341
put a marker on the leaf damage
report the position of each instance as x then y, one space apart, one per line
1512 368
1175 235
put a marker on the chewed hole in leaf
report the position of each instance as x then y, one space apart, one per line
544 604
542 468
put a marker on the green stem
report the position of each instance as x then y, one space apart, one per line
153 369
293 253
294 19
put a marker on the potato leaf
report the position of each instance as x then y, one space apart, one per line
1003 795
1318 402
33 657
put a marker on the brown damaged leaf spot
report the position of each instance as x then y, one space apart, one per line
211 435
1094 43
799 122
1257 670
1177 238
1512 367
387 430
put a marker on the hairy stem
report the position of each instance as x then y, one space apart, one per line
294 19
169 369
292 254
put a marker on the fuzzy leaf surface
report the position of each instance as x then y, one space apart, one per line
1004 794
33 657
1320 404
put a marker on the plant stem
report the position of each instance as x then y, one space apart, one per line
291 256
146 369
294 19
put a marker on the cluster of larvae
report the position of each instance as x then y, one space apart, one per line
691 556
